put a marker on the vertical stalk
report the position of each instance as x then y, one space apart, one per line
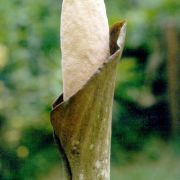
82 124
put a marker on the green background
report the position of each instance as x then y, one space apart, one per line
30 80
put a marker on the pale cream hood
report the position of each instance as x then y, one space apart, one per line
84 42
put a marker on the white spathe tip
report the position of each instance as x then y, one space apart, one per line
84 42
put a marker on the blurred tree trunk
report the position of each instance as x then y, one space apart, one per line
173 73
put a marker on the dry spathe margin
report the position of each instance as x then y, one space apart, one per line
82 124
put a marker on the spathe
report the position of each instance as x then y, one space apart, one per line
82 124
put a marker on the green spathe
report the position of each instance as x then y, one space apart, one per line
82 124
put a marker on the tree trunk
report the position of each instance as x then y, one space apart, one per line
82 124
173 71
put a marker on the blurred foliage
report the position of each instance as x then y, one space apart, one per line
30 79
